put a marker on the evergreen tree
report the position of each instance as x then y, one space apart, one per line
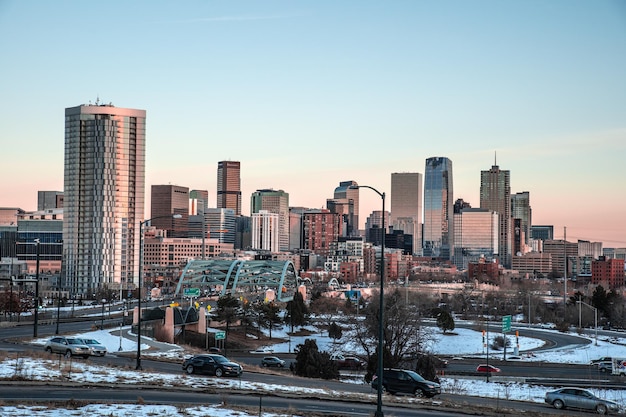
312 363
445 321
297 312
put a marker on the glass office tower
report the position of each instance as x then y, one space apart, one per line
104 193
438 208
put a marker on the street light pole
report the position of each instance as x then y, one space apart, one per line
141 223
36 291
381 329
58 309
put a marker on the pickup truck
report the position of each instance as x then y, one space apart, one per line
347 362
619 366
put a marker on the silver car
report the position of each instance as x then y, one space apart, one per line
68 346
97 349
581 399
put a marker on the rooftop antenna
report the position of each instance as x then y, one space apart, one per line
495 158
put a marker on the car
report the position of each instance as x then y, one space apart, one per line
605 367
263 350
215 349
571 397
97 348
602 359
68 346
487 368
514 358
269 361
405 381
212 364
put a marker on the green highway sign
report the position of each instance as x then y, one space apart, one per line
191 292
506 324
220 335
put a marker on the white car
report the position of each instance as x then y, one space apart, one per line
263 350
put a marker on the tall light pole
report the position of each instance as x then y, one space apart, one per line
381 329
36 291
174 216
595 312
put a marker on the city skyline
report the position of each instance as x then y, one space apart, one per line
308 95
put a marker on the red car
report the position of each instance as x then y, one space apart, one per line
487 368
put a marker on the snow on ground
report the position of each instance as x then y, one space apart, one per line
464 342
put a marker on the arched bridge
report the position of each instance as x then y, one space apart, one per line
281 276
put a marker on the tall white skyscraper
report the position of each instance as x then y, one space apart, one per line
104 193
406 206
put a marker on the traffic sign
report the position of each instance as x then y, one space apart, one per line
506 324
191 292
220 335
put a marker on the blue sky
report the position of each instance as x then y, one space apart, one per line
310 93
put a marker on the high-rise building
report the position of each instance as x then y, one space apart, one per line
198 202
320 228
495 194
520 209
406 206
103 196
220 224
166 201
266 231
475 236
542 232
346 202
229 185
48 200
273 201
438 234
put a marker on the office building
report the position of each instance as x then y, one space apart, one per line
406 206
608 272
266 231
345 202
438 234
495 195
229 185
221 223
198 202
541 232
273 201
165 202
49 200
104 189
520 209
475 236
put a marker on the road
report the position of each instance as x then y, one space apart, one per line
282 377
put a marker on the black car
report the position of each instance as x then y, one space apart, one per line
405 381
272 361
216 365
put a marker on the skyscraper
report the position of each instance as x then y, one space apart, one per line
495 195
520 209
103 196
406 205
229 185
346 202
438 208
475 236
165 201
273 201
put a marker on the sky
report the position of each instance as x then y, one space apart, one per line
464 342
307 94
